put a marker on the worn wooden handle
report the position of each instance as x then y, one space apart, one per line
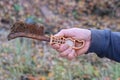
74 43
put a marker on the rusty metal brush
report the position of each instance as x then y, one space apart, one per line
33 31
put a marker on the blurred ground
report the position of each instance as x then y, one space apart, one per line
22 58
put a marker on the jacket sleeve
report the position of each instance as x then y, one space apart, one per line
105 44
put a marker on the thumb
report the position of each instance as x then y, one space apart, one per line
65 33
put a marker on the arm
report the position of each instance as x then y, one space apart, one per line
105 44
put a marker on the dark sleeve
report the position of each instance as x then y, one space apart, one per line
105 44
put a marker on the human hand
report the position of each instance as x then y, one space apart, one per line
76 33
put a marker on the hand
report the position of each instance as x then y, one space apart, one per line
75 33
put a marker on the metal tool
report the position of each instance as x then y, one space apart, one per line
21 29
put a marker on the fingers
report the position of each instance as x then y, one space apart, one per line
56 46
65 51
60 48
68 53
71 55
63 47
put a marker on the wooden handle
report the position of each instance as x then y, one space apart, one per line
74 43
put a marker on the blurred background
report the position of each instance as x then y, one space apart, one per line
27 59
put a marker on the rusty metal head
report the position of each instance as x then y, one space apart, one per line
21 29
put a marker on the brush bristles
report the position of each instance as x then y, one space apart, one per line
27 28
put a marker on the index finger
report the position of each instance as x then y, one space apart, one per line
65 33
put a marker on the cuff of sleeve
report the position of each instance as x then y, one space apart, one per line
97 44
